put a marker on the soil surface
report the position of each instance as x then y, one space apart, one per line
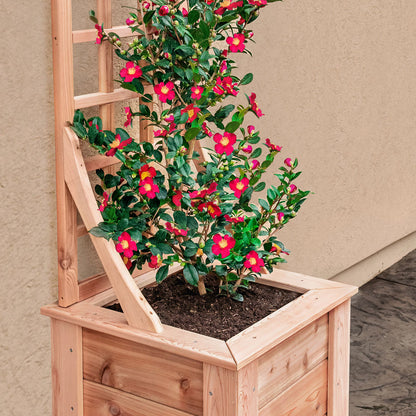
179 304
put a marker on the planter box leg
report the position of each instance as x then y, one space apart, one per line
230 393
339 360
66 369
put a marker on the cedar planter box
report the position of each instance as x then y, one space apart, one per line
293 362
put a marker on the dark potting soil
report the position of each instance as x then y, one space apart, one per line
179 304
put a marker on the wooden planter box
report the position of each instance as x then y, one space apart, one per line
293 362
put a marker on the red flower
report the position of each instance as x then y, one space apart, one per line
130 72
250 129
292 188
130 21
129 116
170 118
165 91
224 143
254 164
148 188
164 10
104 203
236 42
176 199
254 107
228 5
288 162
206 130
196 92
253 262
277 249
100 34
239 186
96 126
247 149
176 231
223 245
280 216
146 5
160 133
212 208
126 245
192 112
223 67
127 262
146 172
258 3
155 261
204 192
225 85
234 220
272 147
184 12
117 144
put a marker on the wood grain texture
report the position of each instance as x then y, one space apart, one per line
89 35
292 359
144 371
339 360
67 387
173 340
247 390
280 325
100 98
307 397
63 79
138 312
101 400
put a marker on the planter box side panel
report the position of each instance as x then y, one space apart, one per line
143 371
289 361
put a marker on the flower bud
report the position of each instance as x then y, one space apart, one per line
164 10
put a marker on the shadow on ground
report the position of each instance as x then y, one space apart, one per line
383 343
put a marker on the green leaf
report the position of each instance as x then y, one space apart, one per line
232 127
260 187
193 16
190 274
148 16
192 223
180 218
247 79
238 297
188 50
192 133
264 204
256 153
98 232
162 273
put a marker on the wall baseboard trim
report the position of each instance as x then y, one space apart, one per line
368 268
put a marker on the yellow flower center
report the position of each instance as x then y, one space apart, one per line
225 141
240 186
131 71
236 41
125 244
144 175
223 243
115 143
164 89
191 113
199 252
148 187
211 209
225 3
252 261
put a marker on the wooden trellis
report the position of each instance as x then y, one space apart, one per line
74 192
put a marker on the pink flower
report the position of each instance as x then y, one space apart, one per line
250 129
196 92
280 216
254 107
253 262
292 188
130 72
255 164
223 67
223 245
169 118
176 199
277 249
239 186
165 91
184 12
100 34
164 10
247 149
225 85
212 208
241 21
129 116
272 147
225 143
117 144
234 220
228 5
176 231
258 3
148 188
146 5
204 192
126 245
288 162
104 203
130 21
146 172
192 112
155 261
206 130
236 42
160 133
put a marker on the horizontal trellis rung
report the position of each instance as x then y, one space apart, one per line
100 162
89 35
100 98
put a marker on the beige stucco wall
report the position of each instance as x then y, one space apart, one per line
336 80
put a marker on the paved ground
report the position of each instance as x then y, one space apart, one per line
383 343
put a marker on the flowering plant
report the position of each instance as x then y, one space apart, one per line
159 209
